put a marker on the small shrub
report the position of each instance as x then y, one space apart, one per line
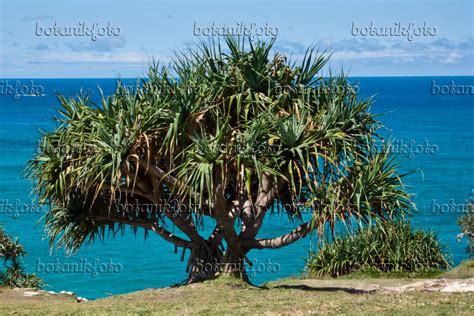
14 274
384 247
466 222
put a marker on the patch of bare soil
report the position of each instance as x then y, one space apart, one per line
33 295
439 285
386 285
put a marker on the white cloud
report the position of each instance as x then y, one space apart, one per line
439 51
452 58
127 57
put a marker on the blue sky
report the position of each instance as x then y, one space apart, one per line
155 29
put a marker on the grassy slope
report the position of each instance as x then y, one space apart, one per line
225 296
463 271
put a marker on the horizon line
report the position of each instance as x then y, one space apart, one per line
362 76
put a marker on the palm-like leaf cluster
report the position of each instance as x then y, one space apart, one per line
218 119
14 274
386 247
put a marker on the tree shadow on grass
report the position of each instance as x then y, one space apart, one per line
326 289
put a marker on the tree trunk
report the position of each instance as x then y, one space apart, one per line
204 262
207 261
234 265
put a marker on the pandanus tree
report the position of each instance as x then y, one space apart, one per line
227 133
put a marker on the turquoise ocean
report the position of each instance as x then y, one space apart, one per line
437 129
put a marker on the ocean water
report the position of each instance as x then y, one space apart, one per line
440 123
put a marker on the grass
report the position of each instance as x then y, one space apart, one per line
228 296
463 271
373 273
296 295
